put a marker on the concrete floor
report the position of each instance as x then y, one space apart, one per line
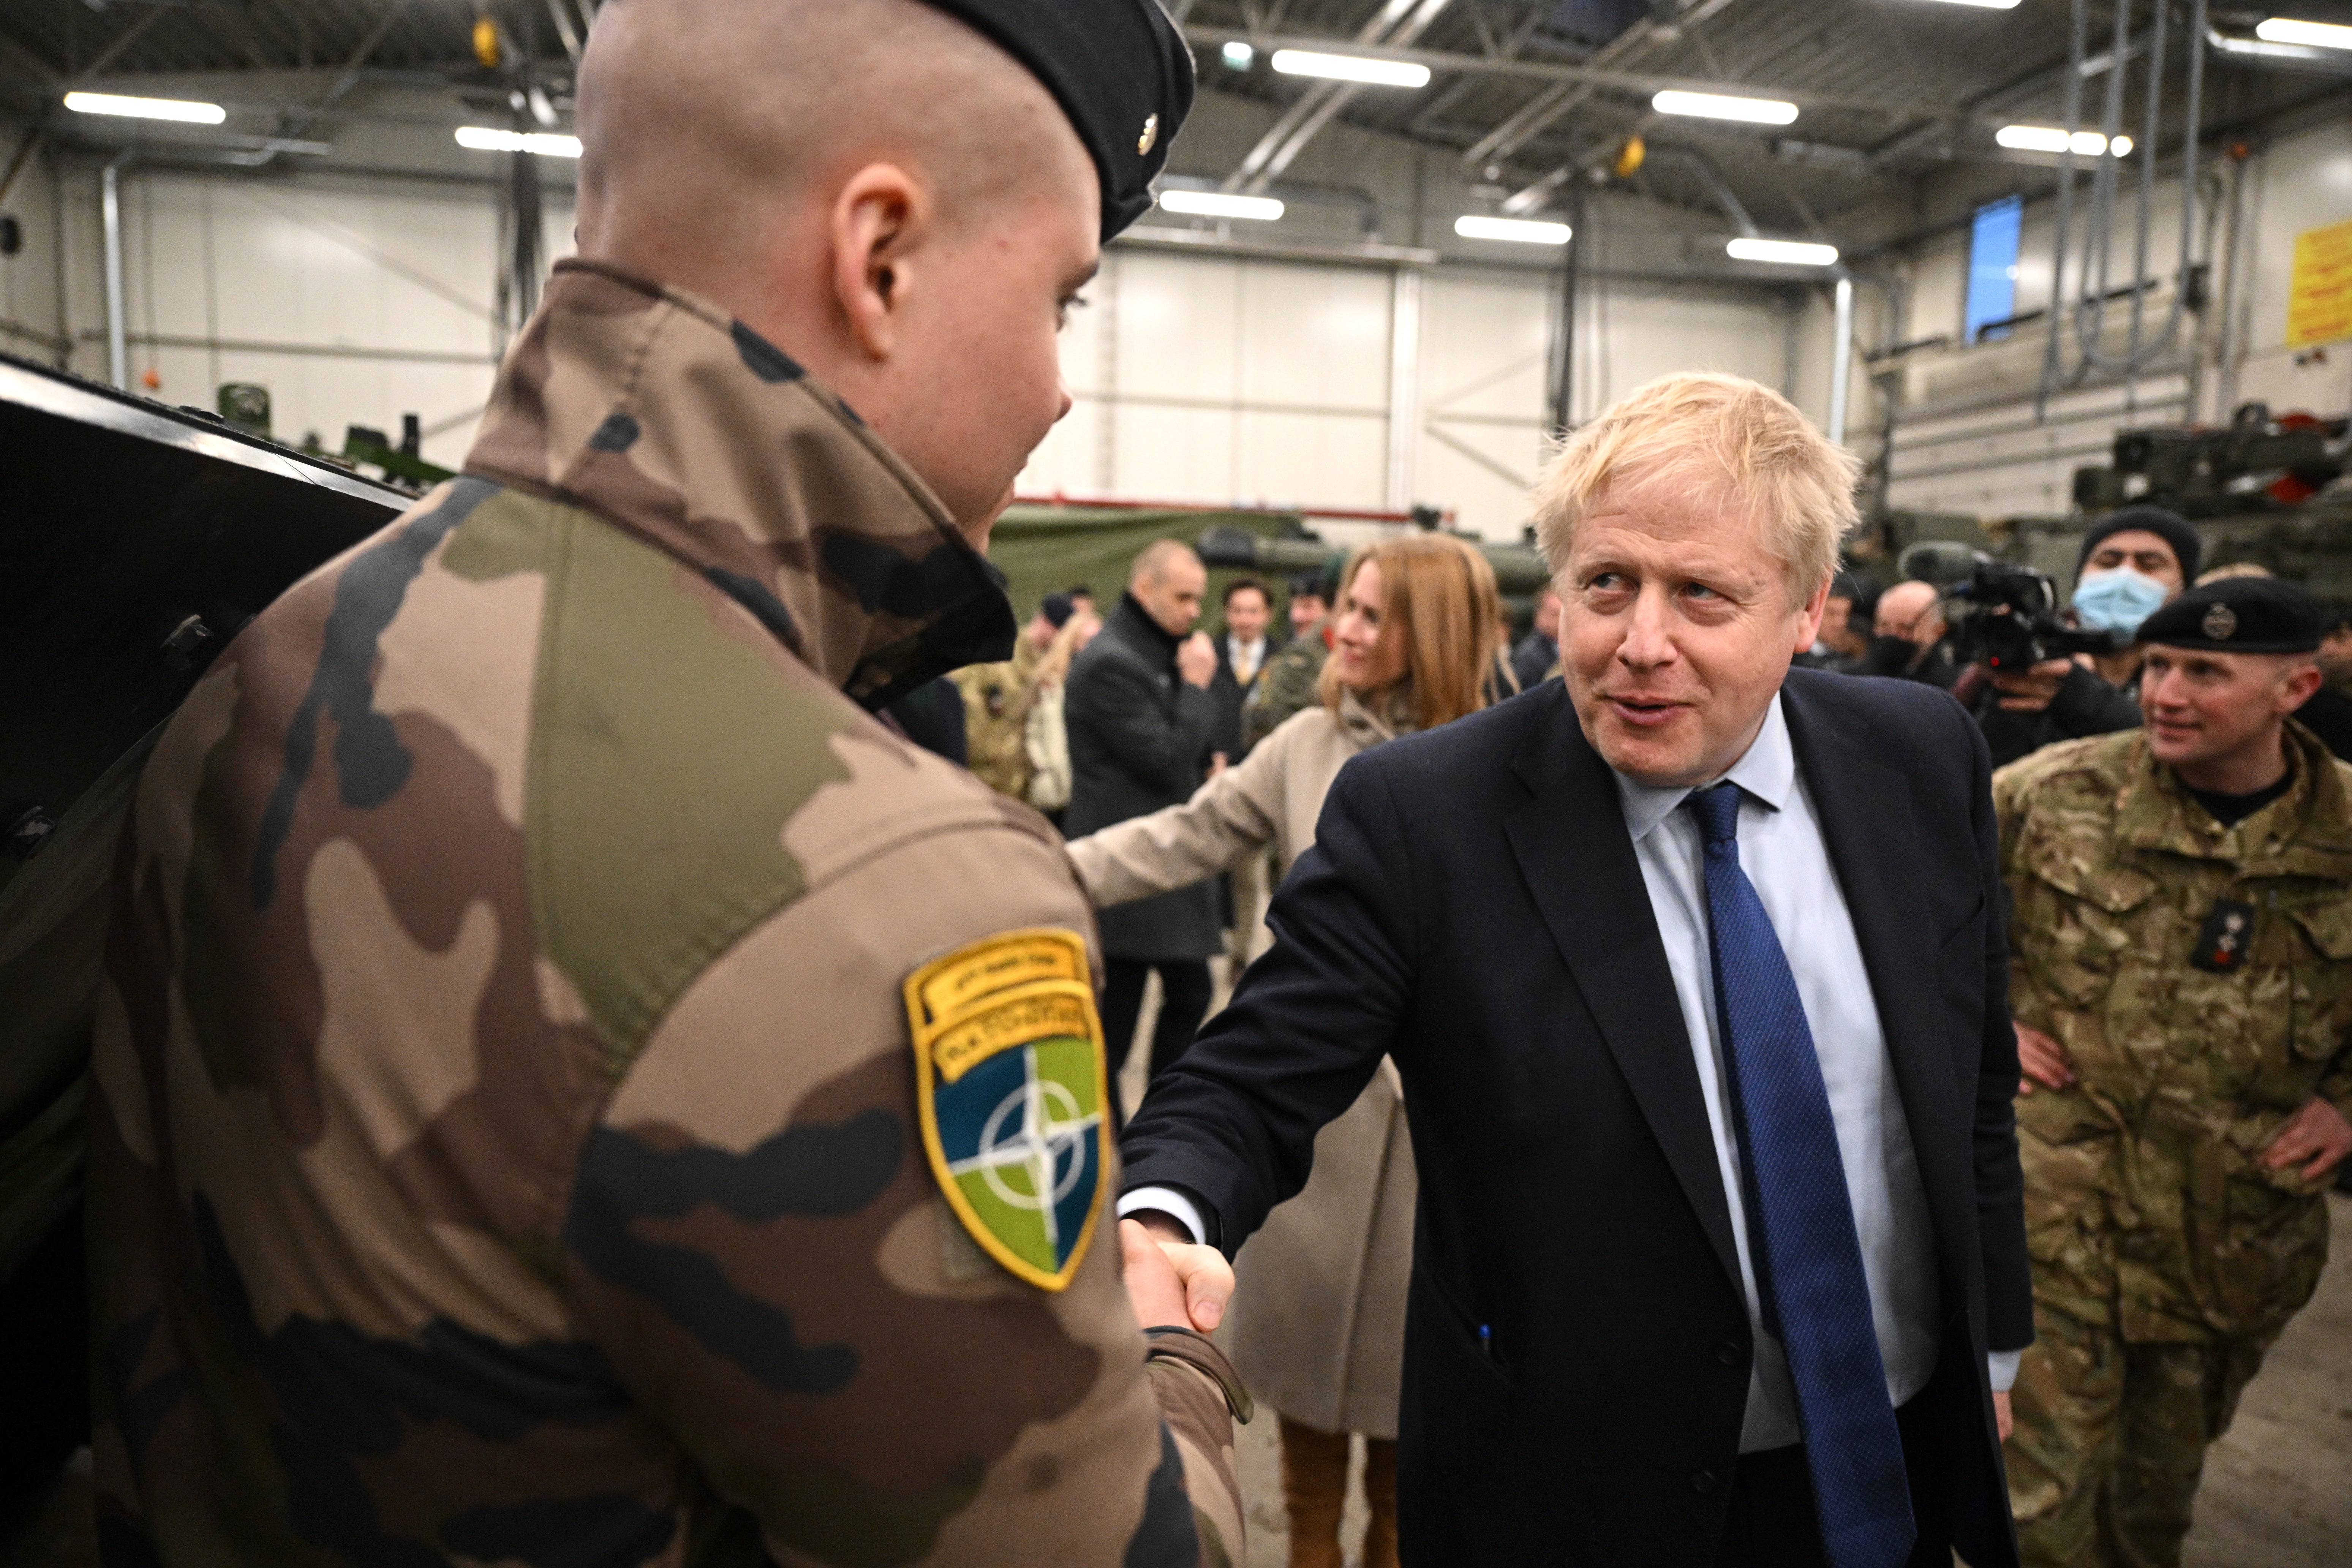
2278 1488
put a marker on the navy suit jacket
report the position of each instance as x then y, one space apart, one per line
1577 1346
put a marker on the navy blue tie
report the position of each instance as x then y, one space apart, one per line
1799 1219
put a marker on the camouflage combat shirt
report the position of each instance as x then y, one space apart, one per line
1286 684
2144 1192
511 1146
997 700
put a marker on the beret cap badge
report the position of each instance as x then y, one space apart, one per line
2221 623
1150 134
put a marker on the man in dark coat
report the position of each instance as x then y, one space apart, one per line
1694 972
1242 654
1141 719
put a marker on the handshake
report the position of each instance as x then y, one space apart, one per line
1172 1280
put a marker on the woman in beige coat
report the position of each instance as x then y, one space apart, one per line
1318 1321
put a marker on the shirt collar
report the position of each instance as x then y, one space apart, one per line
1767 770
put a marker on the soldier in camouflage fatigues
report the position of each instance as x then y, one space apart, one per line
511 1145
997 699
1287 686
2167 1254
571 1087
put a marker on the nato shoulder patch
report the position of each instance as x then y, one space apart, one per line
1014 1089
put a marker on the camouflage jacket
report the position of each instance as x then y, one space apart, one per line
1286 686
2143 1185
556 1048
997 699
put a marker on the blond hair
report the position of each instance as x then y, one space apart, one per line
1744 443
1440 606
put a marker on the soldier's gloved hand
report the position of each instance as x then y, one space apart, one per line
2043 1061
1172 1280
2317 1133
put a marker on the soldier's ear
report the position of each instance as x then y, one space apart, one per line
878 213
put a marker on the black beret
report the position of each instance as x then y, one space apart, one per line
1120 71
2238 615
1057 609
2168 526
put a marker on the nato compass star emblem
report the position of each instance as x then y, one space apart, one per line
1013 1093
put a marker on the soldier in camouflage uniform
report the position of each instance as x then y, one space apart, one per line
573 1087
997 702
2183 990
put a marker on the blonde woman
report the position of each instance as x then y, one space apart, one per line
1318 1326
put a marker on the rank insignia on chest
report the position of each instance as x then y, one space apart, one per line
2221 944
1014 1094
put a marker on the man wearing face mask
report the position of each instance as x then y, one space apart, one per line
2133 562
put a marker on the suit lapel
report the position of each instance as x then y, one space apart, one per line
1572 848
1864 808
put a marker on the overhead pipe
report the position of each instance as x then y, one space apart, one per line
1841 357
109 207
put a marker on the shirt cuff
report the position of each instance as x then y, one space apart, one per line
1185 1212
2002 1366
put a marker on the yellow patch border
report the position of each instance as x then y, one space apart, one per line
950 1001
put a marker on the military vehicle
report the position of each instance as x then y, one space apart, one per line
135 541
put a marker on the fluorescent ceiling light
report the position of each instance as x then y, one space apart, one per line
1787 252
1526 231
2053 139
1719 106
547 144
1238 56
1217 204
2318 34
178 109
1986 4
1351 68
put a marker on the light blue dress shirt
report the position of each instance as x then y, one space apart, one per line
1788 862
1785 857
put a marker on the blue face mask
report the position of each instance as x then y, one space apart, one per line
2117 600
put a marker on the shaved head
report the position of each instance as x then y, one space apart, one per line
701 120
872 185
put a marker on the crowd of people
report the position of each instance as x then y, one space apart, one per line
1199 761
575 1084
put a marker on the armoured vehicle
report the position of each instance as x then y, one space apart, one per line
135 541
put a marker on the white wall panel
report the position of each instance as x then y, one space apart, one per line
1314 335
1176 453
1179 320
1312 459
1485 348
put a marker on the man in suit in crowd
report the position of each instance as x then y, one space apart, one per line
1241 651
1695 971
1141 719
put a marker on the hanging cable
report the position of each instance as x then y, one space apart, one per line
2092 295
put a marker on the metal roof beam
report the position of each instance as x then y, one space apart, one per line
1398 22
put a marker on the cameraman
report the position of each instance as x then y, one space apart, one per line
2134 562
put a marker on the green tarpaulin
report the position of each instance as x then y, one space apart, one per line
1043 549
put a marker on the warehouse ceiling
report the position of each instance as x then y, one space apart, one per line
1534 97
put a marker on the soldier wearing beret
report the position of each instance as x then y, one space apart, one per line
2183 984
575 1087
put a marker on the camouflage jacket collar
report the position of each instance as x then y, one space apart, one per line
669 418
2307 831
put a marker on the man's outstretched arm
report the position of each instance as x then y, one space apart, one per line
1232 1126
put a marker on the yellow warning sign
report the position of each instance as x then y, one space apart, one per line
2319 296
